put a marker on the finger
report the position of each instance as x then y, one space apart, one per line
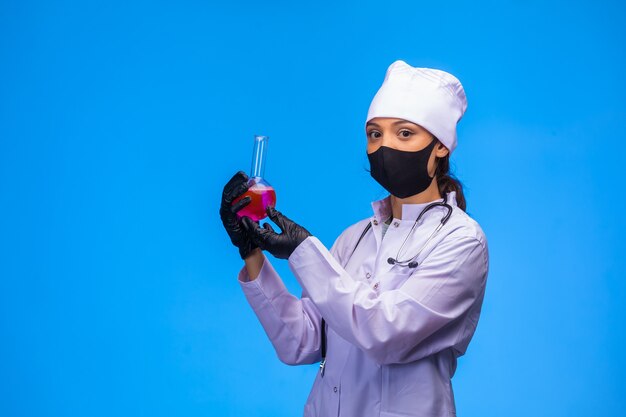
277 217
241 204
238 178
258 234
269 227
240 189
249 225
237 191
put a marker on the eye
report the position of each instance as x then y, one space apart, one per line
373 134
405 133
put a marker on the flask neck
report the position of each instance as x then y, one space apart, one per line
259 155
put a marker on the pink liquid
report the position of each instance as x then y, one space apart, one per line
262 195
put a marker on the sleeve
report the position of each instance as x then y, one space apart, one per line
292 324
432 310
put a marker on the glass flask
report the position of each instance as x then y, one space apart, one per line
260 191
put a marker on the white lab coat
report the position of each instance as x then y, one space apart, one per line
393 333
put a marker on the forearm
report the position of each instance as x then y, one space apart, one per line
395 325
292 324
254 262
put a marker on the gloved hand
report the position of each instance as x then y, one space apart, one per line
235 187
279 245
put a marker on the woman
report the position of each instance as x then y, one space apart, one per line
387 318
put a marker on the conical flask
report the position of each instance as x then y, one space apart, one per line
260 191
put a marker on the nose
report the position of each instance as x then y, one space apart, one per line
387 140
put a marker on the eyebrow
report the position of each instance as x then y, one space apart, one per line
397 122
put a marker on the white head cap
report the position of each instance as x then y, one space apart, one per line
431 98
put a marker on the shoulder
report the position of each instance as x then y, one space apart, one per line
463 224
460 254
462 227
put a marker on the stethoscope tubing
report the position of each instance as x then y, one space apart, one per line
444 220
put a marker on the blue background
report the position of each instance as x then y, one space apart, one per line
120 122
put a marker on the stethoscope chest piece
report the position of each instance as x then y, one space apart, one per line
412 264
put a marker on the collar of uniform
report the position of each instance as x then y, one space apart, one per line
382 208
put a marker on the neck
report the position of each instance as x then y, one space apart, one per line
426 196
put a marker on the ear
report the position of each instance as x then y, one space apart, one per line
441 150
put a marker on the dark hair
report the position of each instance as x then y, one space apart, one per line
447 182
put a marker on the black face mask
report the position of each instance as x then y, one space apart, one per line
402 173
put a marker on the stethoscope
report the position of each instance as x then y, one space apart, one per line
394 261
409 262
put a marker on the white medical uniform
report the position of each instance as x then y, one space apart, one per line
393 332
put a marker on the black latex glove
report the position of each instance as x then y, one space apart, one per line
279 245
235 187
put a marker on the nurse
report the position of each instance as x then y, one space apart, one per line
396 300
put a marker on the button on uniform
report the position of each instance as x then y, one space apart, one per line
396 224
375 222
335 389
368 275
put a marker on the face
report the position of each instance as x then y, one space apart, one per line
402 135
